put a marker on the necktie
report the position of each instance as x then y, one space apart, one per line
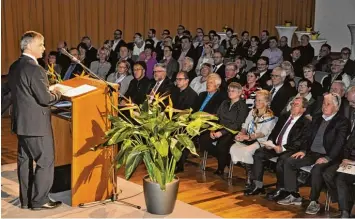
215 68
155 89
69 72
279 139
272 91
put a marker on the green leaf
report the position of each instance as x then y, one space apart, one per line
149 165
193 128
161 146
159 177
133 160
187 142
176 152
203 115
115 138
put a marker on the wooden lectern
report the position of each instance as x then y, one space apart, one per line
73 137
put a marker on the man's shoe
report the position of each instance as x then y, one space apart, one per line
313 208
24 207
218 172
345 214
254 191
49 205
277 195
290 200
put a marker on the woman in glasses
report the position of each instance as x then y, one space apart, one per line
122 76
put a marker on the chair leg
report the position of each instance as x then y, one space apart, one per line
204 160
328 201
230 174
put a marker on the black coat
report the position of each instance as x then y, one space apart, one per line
232 117
213 104
297 136
281 98
185 99
334 137
137 90
30 97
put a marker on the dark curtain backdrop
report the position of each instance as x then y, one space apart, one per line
71 19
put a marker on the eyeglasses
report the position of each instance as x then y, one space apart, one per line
180 79
345 53
260 64
231 90
158 71
122 67
217 57
275 76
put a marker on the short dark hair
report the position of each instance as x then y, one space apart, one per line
166 30
254 70
73 48
186 74
212 31
118 31
296 48
169 37
304 101
141 63
150 41
327 45
229 30
284 37
139 34
153 31
169 47
309 83
346 49
52 53
187 32
257 39
83 45
244 32
266 59
85 37
180 25
185 37
267 32
149 46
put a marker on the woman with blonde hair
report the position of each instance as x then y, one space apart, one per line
290 78
256 128
122 76
102 66
206 57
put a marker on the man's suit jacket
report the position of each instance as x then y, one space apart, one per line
307 54
297 135
221 71
322 64
185 99
281 98
334 137
191 53
5 97
349 68
31 115
164 88
172 68
263 79
115 54
213 104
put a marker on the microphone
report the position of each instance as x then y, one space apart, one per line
92 74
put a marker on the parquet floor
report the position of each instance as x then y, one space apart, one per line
203 189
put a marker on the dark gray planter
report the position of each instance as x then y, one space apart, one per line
158 201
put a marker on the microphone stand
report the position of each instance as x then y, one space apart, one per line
114 196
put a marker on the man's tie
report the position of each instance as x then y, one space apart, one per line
279 139
272 92
215 68
155 89
69 72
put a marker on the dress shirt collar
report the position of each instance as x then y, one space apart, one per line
31 56
327 118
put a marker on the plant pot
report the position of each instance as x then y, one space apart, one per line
308 29
288 24
158 201
314 36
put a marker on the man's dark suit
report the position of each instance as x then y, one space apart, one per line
5 97
349 68
172 68
281 98
221 71
31 121
213 104
295 139
191 53
164 88
263 79
334 138
307 53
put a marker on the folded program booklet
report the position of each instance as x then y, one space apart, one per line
349 169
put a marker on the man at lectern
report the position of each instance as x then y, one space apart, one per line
31 121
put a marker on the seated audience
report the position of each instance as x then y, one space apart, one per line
122 76
308 73
256 128
231 113
140 85
172 66
101 67
218 66
211 99
307 51
149 59
241 64
265 75
198 84
290 74
296 61
163 84
206 57
254 51
349 67
288 136
251 87
336 73
323 60
74 68
325 141
273 53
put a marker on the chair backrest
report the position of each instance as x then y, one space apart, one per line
320 75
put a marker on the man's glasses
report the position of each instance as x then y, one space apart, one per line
345 53
180 79
275 76
158 71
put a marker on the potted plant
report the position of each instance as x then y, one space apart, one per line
156 134
225 28
308 28
314 35
288 23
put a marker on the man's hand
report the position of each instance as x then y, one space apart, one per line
212 134
321 160
278 149
345 163
269 82
298 155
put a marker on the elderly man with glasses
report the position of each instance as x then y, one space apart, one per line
336 73
322 149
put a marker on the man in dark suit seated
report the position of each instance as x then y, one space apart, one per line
172 66
211 99
323 147
140 85
31 121
349 67
323 60
163 84
186 50
91 53
288 135
218 66
281 92
265 79
286 50
340 185
183 97
307 51
74 67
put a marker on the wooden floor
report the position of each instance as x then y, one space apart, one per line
203 189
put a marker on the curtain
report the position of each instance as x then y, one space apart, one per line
70 20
